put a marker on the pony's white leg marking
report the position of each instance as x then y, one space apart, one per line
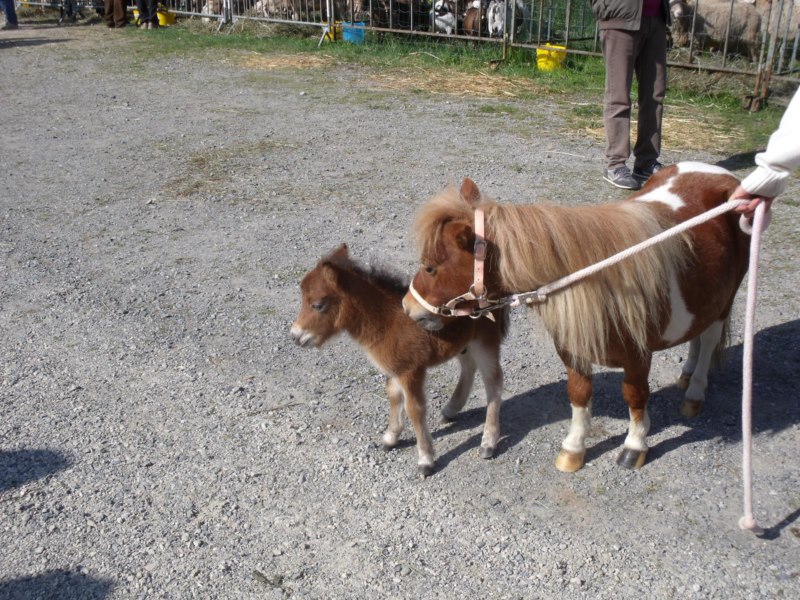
680 319
709 340
395 393
488 362
575 442
637 432
690 364
464 386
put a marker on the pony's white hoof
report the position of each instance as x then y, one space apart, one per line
691 408
486 452
569 462
390 440
632 459
683 381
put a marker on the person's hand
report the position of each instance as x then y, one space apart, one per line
753 200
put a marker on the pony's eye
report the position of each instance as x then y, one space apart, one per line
319 306
429 270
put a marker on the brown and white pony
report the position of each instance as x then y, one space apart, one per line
339 295
677 291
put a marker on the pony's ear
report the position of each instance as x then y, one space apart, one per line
331 274
341 253
470 192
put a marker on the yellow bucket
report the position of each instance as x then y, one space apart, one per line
165 18
551 57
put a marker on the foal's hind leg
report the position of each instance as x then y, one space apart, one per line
636 392
488 359
463 388
413 388
695 373
392 434
573 448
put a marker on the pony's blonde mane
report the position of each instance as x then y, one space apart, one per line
541 243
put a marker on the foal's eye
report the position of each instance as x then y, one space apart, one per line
319 306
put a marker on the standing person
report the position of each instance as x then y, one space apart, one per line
634 38
775 164
148 13
11 15
115 13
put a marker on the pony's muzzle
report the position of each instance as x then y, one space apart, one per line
301 337
420 315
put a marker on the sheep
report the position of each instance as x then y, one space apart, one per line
712 23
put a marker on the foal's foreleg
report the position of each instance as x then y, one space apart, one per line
413 388
636 392
463 388
392 434
694 375
573 448
488 360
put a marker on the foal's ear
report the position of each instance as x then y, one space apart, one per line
470 192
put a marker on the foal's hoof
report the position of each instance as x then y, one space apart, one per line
447 419
691 408
569 462
425 470
486 452
632 459
683 381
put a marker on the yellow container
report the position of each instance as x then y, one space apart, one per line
551 57
165 18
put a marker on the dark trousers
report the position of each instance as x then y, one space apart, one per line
643 53
115 13
148 11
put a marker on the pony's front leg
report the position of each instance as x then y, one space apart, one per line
391 436
573 448
636 392
488 359
463 388
694 376
413 386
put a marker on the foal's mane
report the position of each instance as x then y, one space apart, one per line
540 243
378 276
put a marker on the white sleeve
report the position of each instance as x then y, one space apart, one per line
782 156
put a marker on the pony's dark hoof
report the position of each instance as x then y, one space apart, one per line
446 420
691 408
425 471
632 459
486 452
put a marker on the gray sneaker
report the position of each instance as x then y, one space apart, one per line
644 173
9 26
621 177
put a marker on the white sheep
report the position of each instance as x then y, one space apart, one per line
711 26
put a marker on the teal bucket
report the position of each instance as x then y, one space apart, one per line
351 33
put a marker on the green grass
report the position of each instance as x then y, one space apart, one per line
701 97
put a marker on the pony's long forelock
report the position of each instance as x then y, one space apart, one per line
541 243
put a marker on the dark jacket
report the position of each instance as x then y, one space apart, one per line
623 14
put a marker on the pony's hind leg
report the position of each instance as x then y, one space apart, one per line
413 388
573 448
703 348
488 360
463 388
392 434
636 392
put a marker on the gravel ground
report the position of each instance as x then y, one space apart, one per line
161 437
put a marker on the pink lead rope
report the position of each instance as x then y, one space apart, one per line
748 521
